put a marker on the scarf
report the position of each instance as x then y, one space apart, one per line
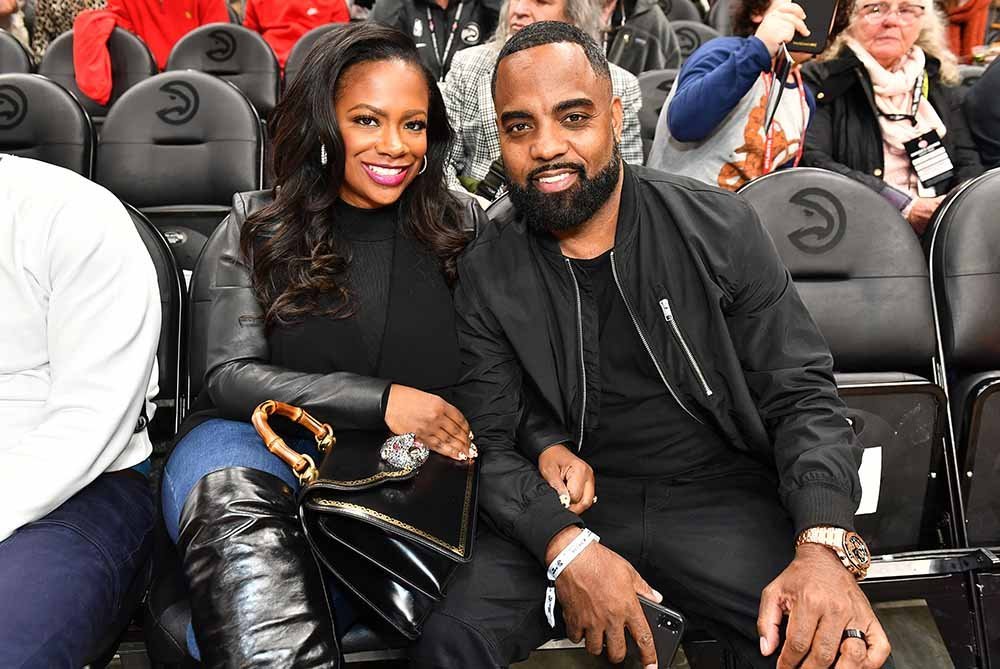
894 95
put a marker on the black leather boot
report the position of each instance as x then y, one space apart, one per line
257 594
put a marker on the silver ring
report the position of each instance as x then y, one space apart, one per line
854 634
404 451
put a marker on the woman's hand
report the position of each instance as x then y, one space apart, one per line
571 477
922 211
780 23
435 423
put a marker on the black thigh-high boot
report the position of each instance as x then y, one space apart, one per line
257 594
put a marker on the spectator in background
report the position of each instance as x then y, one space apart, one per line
967 22
711 127
12 20
440 28
282 22
53 18
475 152
639 37
982 110
77 366
888 80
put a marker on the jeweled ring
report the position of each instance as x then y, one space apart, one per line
854 634
404 451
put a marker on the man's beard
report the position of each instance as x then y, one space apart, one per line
571 208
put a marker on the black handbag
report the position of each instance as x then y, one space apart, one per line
393 537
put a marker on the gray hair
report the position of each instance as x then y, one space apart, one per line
584 14
933 39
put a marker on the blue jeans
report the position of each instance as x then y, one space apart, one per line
219 444
64 578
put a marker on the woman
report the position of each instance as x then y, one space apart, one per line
52 18
332 294
711 127
888 80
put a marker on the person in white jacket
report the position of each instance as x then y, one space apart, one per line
80 314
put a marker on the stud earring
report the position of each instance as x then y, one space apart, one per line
424 168
322 154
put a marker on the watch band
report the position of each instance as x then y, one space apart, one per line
833 538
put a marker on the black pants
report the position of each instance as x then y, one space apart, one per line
708 545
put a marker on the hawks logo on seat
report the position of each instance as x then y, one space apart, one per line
186 103
13 107
224 46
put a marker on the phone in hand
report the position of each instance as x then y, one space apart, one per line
819 20
667 627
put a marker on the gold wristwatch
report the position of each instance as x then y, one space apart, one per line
849 547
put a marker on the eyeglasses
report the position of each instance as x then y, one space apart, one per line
877 12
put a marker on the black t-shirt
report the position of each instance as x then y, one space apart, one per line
641 430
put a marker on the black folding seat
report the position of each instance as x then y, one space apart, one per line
655 86
691 35
680 10
40 119
720 16
131 62
302 47
14 58
177 146
236 54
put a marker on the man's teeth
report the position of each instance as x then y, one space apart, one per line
385 171
553 179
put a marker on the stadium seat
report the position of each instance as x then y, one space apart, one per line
131 62
14 58
302 47
177 146
655 86
680 10
862 274
965 260
40 119
233 53
691 35
720 16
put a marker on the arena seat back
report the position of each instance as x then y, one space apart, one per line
680 10
177 146
131 62
720 16
305 44
236 54
965 262
862 274
14 58
40 119
655 86
691 35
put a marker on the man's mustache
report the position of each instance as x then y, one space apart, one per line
556 166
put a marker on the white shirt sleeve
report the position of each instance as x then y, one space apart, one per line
103 323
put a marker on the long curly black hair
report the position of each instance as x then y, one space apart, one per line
298 264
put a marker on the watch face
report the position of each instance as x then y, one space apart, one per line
857 550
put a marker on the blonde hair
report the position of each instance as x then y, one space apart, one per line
933 39
584 14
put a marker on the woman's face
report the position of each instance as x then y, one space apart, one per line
887 30
381 108
525 12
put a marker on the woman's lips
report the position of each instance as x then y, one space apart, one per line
386 175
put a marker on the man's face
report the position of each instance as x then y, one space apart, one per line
559 130
523 13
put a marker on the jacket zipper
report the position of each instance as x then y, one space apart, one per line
583 368
642 337
668 315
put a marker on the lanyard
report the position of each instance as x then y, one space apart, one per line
442 59
769 141
917 96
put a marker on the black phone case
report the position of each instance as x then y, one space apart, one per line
819 20
667 627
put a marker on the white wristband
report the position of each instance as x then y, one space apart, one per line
566 555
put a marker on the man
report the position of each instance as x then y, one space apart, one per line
77 364
650 318
475 152
440 28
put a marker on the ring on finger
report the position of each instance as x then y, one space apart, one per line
854 634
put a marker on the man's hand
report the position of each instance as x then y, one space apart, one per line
821 599
572 478
598 595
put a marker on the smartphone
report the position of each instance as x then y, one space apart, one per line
819 21
667 627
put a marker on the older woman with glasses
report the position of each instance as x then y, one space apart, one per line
887 112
